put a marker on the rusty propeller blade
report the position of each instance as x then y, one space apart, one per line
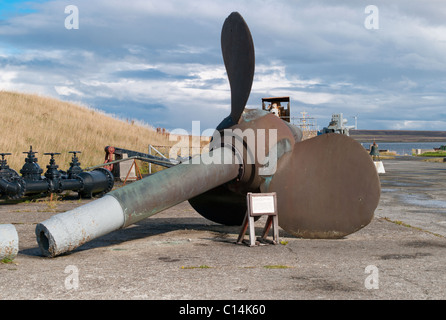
238 55
220 204
327 187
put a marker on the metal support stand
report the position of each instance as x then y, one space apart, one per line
156 152
260 204
138 172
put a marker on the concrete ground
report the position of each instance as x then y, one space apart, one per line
177 254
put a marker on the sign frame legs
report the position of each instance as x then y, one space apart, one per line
257 210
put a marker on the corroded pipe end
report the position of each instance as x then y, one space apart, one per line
66 231
9 242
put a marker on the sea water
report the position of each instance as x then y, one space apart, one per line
404 148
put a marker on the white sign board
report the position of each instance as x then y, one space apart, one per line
379 166
262 204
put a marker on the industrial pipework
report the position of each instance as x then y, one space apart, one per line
86 183
130 204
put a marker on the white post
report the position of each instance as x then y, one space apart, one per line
150 164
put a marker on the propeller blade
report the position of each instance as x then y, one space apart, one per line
238 55
221 205
327 187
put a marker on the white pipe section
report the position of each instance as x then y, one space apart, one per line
9 241
124 206
73 228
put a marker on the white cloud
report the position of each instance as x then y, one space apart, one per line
167 54
419 125
6 77
67 91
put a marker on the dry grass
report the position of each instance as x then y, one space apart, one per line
383 155
50 125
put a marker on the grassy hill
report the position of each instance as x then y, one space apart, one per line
50 125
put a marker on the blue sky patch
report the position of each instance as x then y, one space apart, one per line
11 8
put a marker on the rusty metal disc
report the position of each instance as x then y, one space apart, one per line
327 187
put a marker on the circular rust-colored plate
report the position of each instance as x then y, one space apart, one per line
327 187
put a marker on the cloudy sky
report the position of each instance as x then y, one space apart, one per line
160 61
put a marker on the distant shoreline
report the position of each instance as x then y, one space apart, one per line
398 135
